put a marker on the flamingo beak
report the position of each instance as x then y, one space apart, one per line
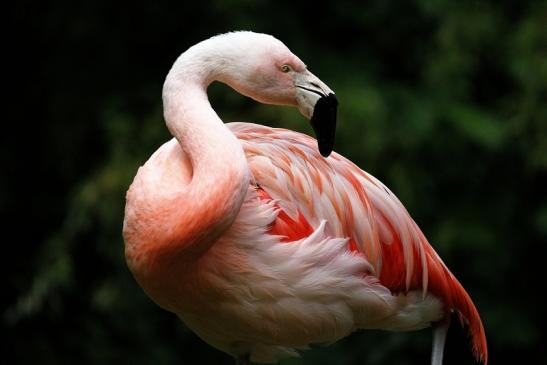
317 102
323 122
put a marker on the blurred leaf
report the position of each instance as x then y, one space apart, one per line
477 125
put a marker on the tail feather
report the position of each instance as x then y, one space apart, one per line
436 279
445 285
469 316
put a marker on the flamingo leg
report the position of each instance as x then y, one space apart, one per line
439 338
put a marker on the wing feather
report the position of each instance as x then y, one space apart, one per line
309 189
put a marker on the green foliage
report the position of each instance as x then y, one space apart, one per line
446 102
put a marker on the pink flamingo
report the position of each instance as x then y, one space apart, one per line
261 245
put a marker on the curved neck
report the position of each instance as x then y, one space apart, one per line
220 177
168 227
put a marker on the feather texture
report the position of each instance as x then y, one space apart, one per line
258 243
308 189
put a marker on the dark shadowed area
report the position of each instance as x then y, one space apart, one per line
444 101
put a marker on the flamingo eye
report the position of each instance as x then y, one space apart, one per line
286 68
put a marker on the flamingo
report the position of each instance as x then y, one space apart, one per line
264 241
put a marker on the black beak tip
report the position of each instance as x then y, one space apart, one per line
324 150
323 122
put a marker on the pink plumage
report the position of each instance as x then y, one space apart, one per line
257 242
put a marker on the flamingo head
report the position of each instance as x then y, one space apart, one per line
263 68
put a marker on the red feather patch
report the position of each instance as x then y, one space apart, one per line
290 229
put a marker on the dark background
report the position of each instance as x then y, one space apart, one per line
444 101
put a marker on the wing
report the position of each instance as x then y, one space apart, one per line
309 188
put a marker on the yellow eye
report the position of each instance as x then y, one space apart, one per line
286 68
